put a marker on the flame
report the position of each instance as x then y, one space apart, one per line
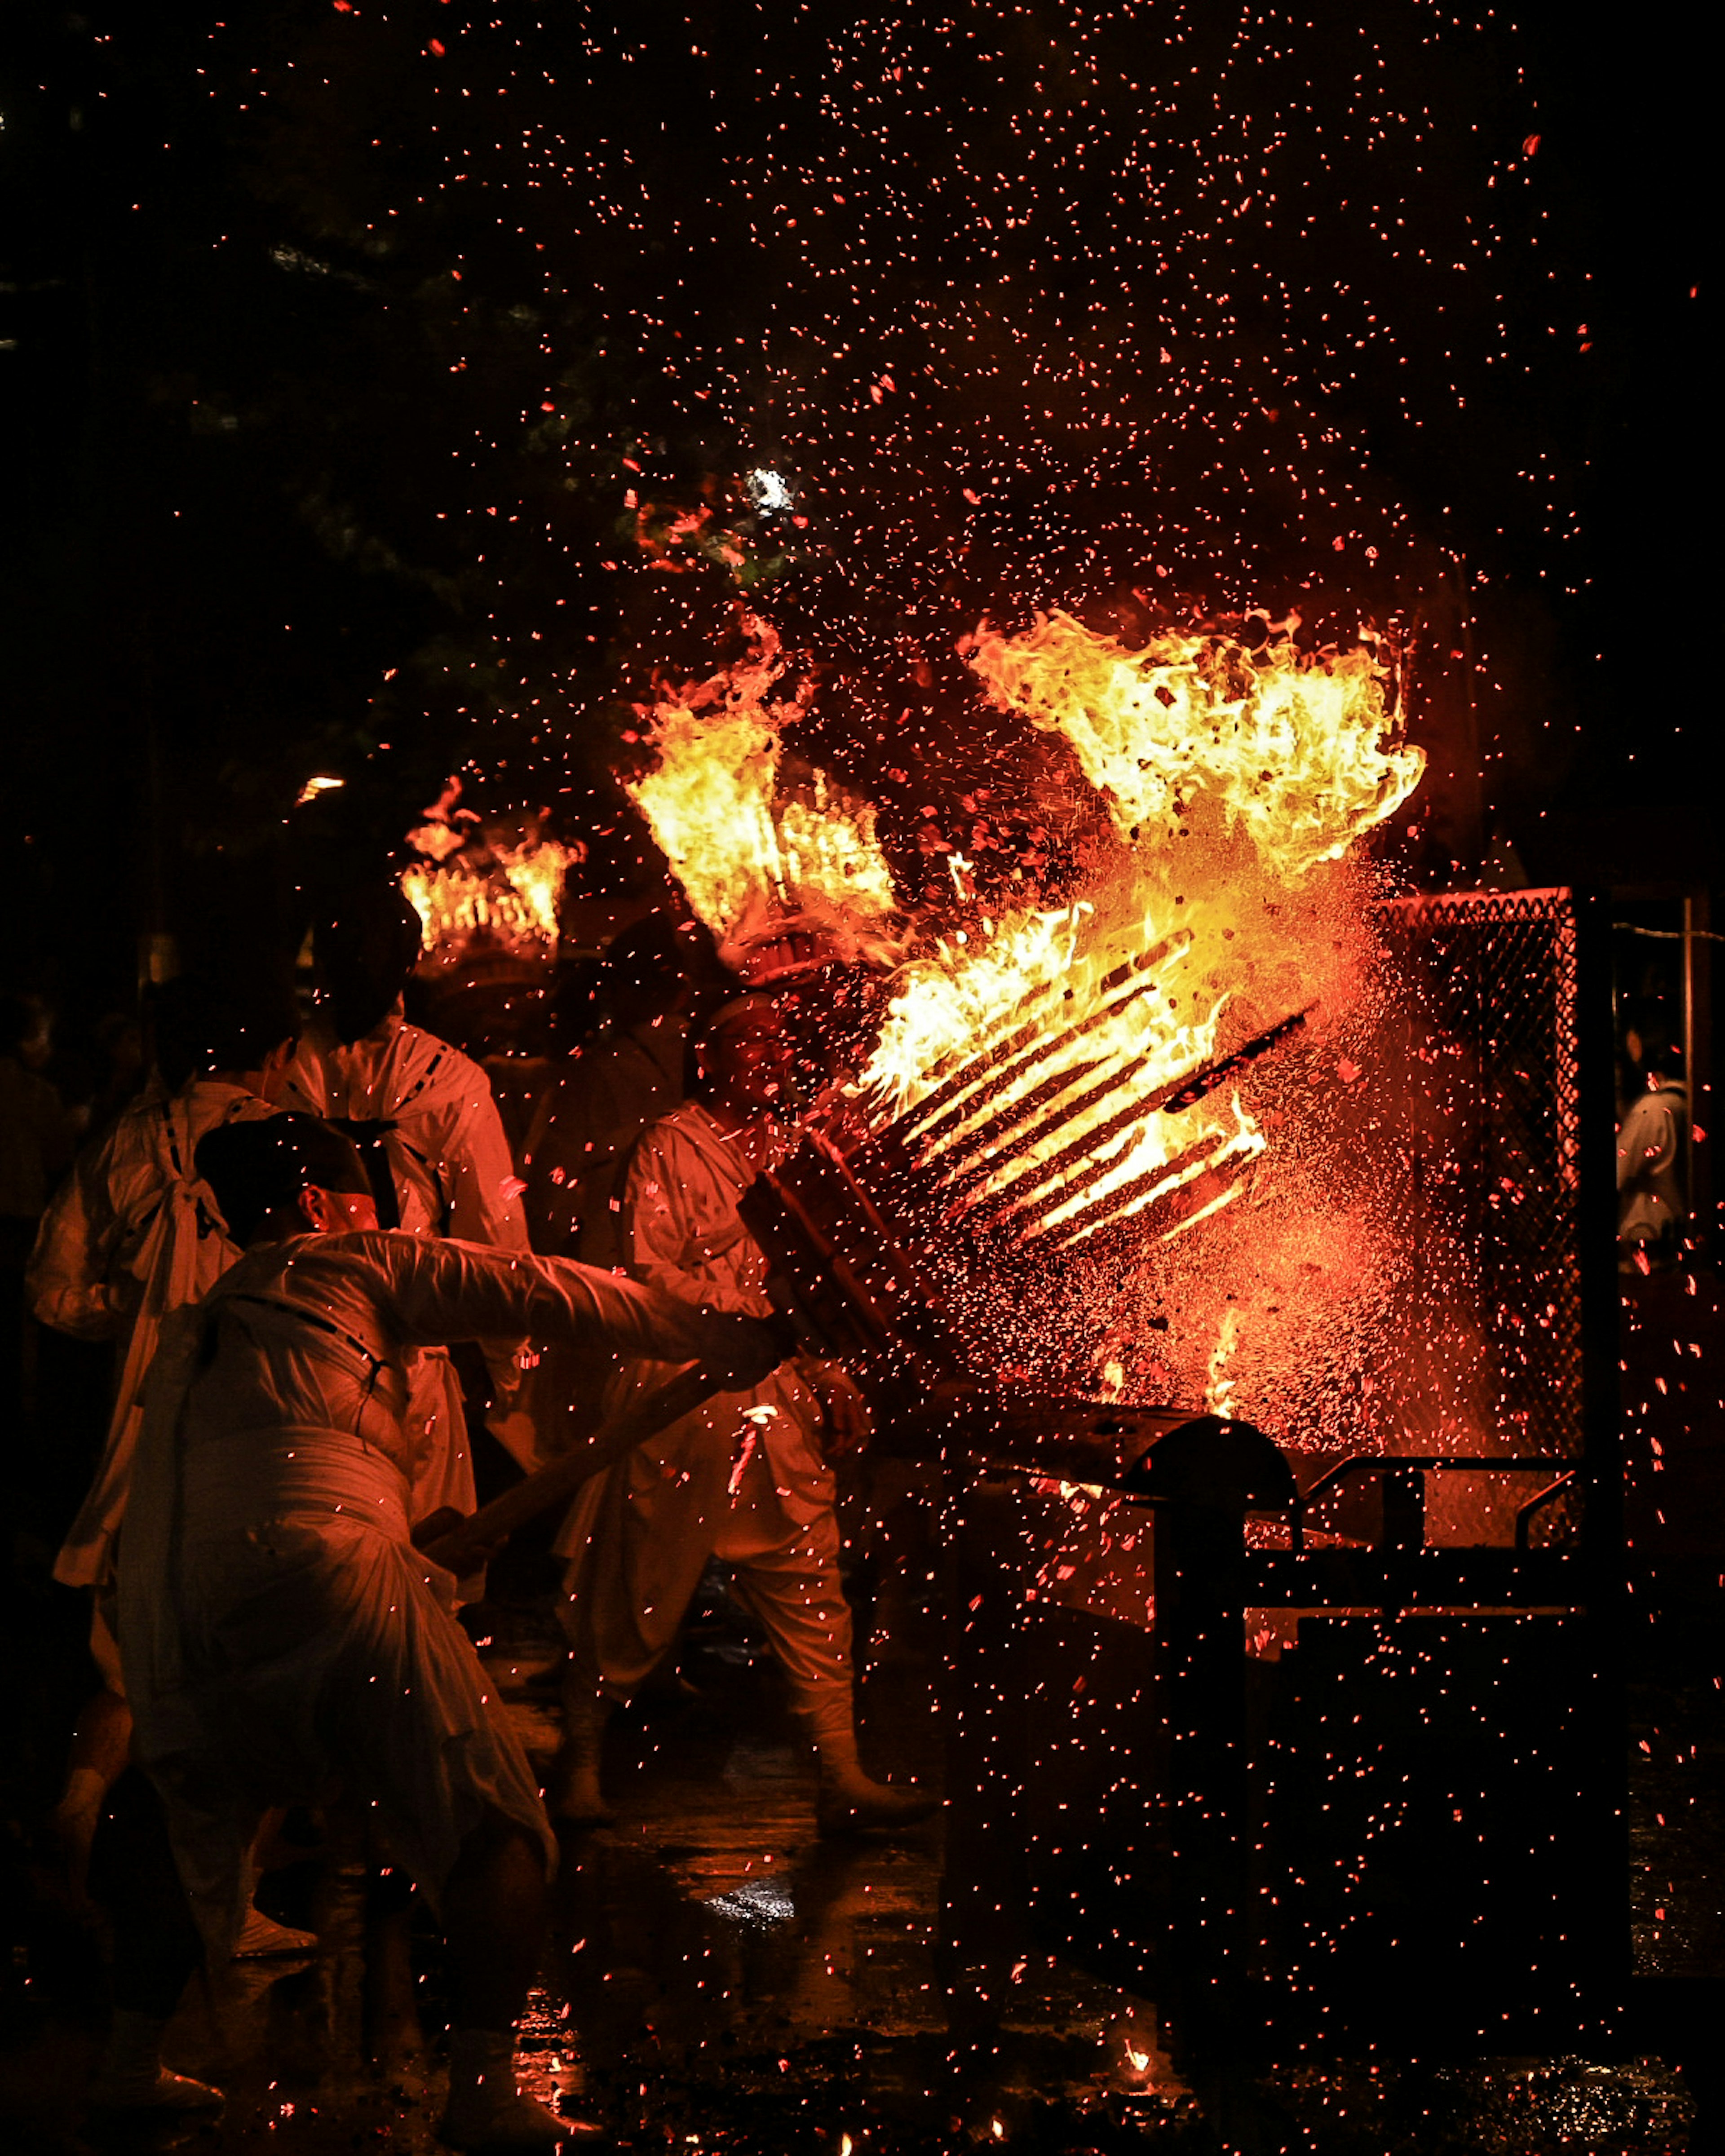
1029 1063
515 901
1037 1047
1218 1393
1057 1071
1288 746
740 853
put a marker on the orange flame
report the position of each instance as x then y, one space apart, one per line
1286 744
1218 1393
740 851
515 901
1029 1062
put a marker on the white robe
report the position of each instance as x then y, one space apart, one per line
742 1478
1652 1203
279 1633
450 1164
577 1149
132 1233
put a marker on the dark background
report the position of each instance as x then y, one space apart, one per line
335 338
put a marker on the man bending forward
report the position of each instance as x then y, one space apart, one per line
278 1631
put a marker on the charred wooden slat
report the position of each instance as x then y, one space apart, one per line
1047 1049
1172 1208
1153 1185
976 1162
975 1169
1025 1212
965 1087
1189 1091
1080 1150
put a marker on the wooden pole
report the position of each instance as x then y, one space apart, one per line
463 1546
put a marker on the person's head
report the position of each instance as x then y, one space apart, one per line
285 1175
239 1029
647 972
26 1030
366 947
744 1054
1652 1046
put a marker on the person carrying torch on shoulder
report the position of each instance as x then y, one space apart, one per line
745 1478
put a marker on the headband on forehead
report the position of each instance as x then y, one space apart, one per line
253 1168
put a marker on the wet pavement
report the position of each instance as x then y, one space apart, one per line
721 1979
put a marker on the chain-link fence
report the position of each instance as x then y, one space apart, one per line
1483 988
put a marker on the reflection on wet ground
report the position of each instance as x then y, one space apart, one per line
719 1979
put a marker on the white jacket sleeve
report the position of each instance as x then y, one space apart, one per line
484 1195
66 1281
442 1291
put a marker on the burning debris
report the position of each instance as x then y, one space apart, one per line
1072 1077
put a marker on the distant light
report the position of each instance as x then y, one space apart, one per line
768 490
314 787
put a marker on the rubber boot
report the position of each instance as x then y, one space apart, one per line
261 1938
850 1801
574 1792
485 2109
130 2077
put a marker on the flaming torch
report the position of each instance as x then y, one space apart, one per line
1067 1083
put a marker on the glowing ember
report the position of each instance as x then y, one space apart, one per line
741 852
514 900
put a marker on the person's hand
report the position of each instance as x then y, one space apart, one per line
741 1351
846 1419
445 1520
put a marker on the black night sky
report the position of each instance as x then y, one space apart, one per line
392 374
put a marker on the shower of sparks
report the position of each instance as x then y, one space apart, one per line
1149 329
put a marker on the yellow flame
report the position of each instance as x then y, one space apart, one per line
1019 1067
515 901
713 805
1028 1059
1218 1393
1289 746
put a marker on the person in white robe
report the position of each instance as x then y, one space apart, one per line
1652 1154
745 1479
625 1076
280 1632
132 1234
424 1115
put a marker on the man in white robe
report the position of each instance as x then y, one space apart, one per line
424 1111
620 1078
745 1479
1652 1149
132 1234
279 1630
